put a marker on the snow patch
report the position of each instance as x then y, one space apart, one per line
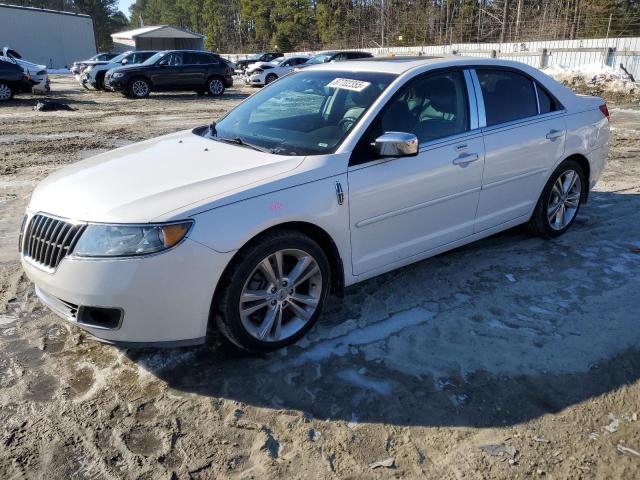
596 75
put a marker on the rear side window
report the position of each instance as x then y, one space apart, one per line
546 101
508 96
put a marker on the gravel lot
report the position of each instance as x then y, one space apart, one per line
511 358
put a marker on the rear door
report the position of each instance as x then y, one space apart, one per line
195 68
524 138
404 207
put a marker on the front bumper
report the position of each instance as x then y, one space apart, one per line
164 298
254 79
115 84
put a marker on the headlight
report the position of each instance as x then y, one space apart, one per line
88 69
101 240
117 75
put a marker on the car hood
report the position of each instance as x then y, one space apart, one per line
127 68
155 180
32 68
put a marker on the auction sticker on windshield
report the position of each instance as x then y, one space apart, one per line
348 84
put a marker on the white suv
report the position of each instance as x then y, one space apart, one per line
325 178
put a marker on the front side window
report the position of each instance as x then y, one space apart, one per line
173 59
508 96
307 113
431 107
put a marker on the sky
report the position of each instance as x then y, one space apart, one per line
124 6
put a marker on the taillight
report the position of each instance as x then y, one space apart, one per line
604 110
229 70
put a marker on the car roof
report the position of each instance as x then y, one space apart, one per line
400 64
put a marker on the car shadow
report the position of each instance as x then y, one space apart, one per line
495 333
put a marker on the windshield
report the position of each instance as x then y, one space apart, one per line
154 58
306 113
321 58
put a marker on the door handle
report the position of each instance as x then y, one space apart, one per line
465 159
553 134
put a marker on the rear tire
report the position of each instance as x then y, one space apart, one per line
560 201
139 88
215 86
6 92
273 292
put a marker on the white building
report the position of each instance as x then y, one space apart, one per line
47 37
161 37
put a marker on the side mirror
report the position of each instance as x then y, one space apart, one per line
396 144
125 61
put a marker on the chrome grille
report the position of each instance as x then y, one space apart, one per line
48 240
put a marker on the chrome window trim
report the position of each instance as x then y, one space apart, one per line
535 89
523 121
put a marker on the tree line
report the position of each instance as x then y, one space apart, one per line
244 26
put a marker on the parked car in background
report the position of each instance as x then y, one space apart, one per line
241 65
231 65
335 56
13 79
172 70
78 66
262 73
93 75
38 73
328 177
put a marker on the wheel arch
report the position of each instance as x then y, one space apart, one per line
140 75
311 230
586 168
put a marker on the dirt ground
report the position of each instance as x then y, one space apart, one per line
511 358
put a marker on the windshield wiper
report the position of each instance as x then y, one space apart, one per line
242 143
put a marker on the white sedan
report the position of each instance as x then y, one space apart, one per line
263 73
328 177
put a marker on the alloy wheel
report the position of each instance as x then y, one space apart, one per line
281 295
216 87
140 88
5 92
564 199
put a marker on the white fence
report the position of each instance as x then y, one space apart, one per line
571 53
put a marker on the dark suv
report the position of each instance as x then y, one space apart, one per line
12 80
172 70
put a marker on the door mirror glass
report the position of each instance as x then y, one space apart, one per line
124 61
396 144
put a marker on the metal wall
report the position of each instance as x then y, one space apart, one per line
46 37
570 53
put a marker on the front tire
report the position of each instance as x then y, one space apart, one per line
100 82
215 86
6 92
560 201
272 77
273 292
139 88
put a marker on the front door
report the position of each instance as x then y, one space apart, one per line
404 207
169 74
